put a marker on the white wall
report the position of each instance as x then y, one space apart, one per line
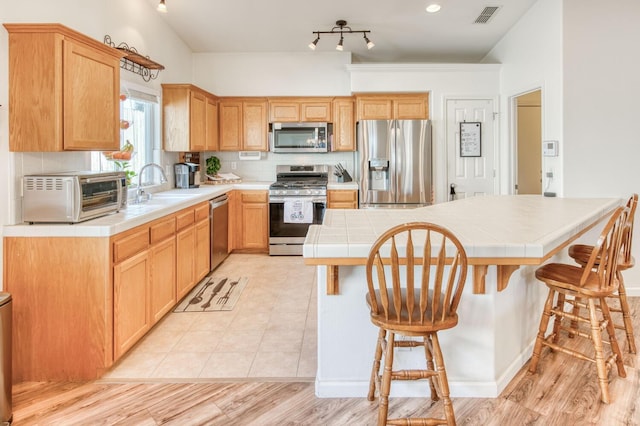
601 62
585 59
531 58
135 22
461 81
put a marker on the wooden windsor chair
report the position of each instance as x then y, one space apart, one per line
594 282
581 253
415 294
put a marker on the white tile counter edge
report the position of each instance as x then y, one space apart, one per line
134 215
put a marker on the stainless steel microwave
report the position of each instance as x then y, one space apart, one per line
72 197
299 137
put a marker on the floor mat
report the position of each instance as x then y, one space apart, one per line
213 294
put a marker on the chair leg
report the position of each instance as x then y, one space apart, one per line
601 363
626 315
611 331
385 387
429 355
576 312
544 321
442 379
557 319
375 370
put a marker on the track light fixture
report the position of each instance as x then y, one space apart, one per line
162 7
341 28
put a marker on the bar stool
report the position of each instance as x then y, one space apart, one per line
581 253
594 282
416 295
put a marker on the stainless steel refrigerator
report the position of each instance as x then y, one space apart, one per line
395 163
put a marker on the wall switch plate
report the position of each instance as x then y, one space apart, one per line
550 148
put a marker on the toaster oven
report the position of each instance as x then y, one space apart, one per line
72 197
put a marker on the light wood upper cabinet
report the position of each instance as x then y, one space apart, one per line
299 109
212 125
401 106
344 125
64 90
187 118
243 124
284 111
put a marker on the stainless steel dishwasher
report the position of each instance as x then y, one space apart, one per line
219 221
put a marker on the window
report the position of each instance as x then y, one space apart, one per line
139 125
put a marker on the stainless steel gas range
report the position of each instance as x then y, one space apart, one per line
297 200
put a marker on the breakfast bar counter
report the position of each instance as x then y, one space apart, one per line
505 237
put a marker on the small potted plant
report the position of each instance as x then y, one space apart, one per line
213 166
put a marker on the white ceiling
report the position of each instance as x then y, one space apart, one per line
401 29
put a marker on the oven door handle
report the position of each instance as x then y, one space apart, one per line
312 199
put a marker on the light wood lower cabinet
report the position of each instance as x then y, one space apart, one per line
80 303
131 313
192 247
342 199
163 278
250 210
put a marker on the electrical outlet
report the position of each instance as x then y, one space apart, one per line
234 165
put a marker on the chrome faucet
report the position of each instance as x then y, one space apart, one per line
140 194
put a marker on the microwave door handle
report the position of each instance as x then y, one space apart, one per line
71 206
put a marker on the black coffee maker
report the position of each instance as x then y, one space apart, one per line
186 175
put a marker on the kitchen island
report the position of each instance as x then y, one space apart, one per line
505 237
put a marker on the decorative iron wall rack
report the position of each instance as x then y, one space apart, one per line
135 62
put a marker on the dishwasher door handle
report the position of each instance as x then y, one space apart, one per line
219 201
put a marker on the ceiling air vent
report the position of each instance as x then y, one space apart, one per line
486 14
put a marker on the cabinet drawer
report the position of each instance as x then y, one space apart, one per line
162 229
202 212
342 196
254 197
133 243
184 218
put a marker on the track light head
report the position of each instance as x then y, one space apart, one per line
370 44
313 44
162 7
339 46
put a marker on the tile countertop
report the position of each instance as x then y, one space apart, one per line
333 185
161 204
521 226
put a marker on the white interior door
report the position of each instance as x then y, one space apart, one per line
470 175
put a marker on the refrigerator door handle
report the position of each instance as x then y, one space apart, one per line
393 170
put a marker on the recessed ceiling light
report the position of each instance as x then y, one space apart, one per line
433 8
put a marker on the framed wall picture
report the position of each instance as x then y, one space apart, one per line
470 139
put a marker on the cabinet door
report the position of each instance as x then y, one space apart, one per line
230 114
163 278
375 108
411 108
197 121
255 126
315 111
202 249
284 111
185 264
212 125
91 91
255 220
131 319
343 125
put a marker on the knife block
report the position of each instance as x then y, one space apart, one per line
345 177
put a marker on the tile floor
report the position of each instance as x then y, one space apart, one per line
270 333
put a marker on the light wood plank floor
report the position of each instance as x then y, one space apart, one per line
564 391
